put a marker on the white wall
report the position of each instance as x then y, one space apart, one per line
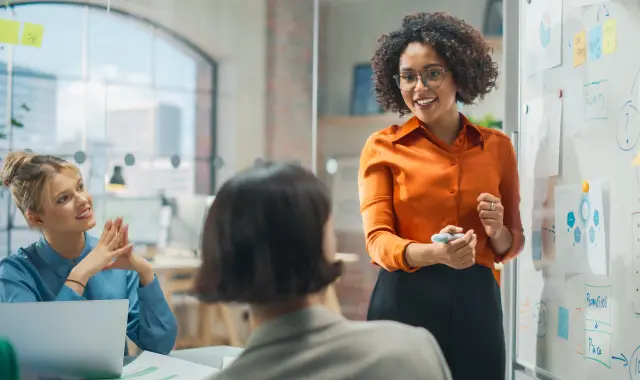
349 36
232 32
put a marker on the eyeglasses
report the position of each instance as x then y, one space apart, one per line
431 78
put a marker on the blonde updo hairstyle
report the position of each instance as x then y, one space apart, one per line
27 176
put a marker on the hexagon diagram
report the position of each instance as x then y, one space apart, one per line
577 234
571 219
592 234
596 218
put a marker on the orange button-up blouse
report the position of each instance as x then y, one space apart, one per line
413 184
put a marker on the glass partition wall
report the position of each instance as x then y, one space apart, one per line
112 93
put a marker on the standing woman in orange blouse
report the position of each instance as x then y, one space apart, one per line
439 173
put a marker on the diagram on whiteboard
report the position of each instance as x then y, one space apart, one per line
580 233
541 319
628 127
544 35
545 29
635 219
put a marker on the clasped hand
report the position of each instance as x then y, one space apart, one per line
459 253
113 251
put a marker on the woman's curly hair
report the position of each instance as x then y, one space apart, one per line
464 48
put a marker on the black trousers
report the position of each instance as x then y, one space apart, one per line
461 308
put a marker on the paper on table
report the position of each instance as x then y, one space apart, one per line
227 360
150 366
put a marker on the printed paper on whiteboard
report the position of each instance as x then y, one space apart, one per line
580 232
543 35
541 130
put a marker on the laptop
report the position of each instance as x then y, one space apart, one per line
76 339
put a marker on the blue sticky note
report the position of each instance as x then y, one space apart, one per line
563 323
595 43
536 245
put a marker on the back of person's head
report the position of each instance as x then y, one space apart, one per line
268 238
48 190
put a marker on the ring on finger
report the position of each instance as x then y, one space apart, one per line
493 206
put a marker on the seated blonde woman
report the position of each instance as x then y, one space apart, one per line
67 264
268 241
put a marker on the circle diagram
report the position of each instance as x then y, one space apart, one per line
634 370
585 210
628 127
540 318
545 30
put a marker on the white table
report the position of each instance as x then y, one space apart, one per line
209 356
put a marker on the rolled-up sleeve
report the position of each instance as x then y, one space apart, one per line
151 325
375 187
510 191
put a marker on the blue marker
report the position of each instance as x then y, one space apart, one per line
445 238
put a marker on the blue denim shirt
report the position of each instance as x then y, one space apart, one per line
37 273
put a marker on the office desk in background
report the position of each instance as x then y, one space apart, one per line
176 272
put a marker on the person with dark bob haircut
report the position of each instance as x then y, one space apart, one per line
268 241
439 196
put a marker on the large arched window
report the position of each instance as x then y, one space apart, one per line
107 90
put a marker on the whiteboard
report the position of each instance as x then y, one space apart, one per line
578 278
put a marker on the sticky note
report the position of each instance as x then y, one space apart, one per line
636 160
32 34
9 31
536 245
609 36
563 323
579 48
595 43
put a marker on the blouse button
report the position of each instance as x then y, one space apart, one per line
452 162
452 190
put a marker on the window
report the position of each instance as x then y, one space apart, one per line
112 87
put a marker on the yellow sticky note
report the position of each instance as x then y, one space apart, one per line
32 34
9 31
609 36
579 48
636 160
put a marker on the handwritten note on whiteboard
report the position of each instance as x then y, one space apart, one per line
595 43
579 48
596 100
597 303
609 36
597 347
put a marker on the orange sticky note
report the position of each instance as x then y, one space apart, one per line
579 48
32 34
9 31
